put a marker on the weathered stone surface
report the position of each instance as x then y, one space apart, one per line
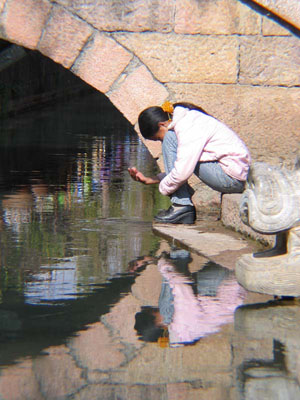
147 286
207 243
132 392
266 118
24 21
209 359
221 17
116 15
271 28
121 319
64 37
101 62
287 10
138 91
200 58
180 391
108 354
18 382
57 374
230 218
270 61
244 347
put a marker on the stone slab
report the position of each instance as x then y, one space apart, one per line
24 21
219 17
220 246
64 37
200 59
116 15
101 62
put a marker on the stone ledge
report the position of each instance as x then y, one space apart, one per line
231 219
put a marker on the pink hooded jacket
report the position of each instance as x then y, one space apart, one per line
198 316
204 138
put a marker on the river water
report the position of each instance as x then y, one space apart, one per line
94 305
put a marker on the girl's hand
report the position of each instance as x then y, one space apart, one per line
137 175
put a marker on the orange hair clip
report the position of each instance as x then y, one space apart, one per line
168 107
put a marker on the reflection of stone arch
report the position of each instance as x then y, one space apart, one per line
94 56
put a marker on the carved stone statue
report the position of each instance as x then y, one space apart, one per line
271 205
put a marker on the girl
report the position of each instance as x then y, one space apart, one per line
192 142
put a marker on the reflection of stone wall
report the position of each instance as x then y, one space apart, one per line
238 64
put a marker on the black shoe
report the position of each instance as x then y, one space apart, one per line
182 215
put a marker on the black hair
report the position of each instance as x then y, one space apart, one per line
145 325
190 106
150 118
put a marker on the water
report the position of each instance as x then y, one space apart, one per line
93 305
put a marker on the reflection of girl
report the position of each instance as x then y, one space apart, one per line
191 306
192 142
196 316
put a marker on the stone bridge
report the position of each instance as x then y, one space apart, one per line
239 60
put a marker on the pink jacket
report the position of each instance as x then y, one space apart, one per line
199 316
204 138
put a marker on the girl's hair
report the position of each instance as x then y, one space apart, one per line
150 118
145 325
190 106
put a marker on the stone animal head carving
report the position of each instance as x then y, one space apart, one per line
271 201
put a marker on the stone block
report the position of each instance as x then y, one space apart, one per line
18 382
266 118
147 287
270 61
121 320
209 359
57 373
24 21
287 10
128 392
184 390
101 62
63 37
200 59
271 28
97 336
137 91
133 16
221 17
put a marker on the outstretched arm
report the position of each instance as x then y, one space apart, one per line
136 175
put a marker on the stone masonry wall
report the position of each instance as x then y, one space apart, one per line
239 65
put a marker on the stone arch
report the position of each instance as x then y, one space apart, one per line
95 56
221 54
